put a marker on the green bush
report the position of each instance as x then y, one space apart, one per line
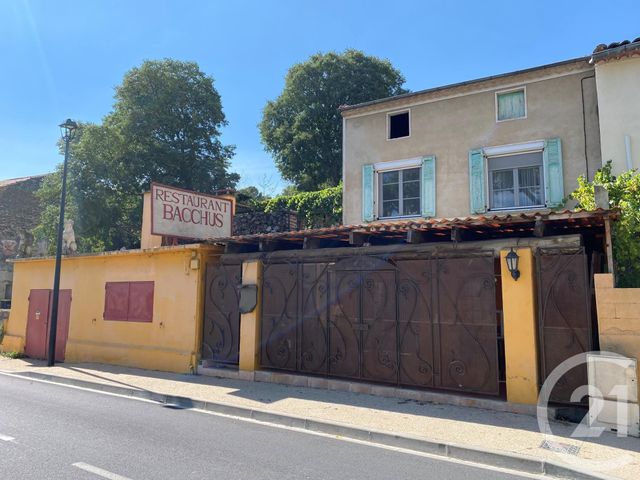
624 194
322 208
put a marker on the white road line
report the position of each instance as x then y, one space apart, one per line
6 438
99 471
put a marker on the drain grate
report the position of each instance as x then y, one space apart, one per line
560 447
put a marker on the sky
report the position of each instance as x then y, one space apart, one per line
62 59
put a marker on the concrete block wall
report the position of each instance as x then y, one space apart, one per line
618 317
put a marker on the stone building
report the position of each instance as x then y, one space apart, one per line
19 214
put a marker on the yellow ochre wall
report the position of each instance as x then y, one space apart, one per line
169 342
520 329
250 322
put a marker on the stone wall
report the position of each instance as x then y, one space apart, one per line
248 221
19 214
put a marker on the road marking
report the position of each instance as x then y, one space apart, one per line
6 438
99 471
113 476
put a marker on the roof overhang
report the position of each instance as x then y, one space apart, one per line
426 230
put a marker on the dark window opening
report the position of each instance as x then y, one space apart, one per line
399 125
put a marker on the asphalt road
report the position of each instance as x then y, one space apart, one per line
50 431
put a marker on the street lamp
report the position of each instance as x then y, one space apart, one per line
67 132
512 259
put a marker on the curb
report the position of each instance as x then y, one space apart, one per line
488 457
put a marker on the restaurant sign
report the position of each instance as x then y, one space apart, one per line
186 214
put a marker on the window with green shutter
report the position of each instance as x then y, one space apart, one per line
511 105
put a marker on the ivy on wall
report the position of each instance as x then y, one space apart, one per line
318 209
624 194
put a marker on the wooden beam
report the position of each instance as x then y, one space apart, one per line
456 234
273 245
539 229
416 236
607 245
235 247
316 242
358 238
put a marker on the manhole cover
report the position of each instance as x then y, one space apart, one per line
560 447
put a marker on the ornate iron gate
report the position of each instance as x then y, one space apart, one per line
564 315
221 332
428 322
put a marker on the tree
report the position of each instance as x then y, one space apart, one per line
302 128
624 194
164 127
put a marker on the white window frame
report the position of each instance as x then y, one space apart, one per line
391 114
511 90
509 150
392 166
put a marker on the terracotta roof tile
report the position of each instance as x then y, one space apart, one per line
487 221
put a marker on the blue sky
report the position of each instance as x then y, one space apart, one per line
62 59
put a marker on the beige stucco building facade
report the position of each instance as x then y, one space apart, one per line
618 83
447 123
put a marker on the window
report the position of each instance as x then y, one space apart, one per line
129 301
398 125
399 192
511 105
516 181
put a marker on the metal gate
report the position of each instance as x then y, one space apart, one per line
427 322
221 332
564 315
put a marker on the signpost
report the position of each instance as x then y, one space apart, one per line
186 214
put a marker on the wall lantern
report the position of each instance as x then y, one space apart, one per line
512 263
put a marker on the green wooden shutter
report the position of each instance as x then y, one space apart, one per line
477 197
368 206
553 179
429 186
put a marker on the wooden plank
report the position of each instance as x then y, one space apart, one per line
539 229
358 238
608 246
417 250
417 236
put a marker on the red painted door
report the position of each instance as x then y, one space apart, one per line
39 314
37 323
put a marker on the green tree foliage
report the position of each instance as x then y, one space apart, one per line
164 127
302 128
322 208
624 194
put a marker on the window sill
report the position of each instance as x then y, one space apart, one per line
519 209
400 217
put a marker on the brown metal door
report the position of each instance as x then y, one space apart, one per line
415 322
564 316
344 323
39 314
279 316
221 328
37 323
467 352
378 331
313 332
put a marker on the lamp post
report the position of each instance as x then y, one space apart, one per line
67 132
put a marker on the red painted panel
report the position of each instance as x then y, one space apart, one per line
37 324
140 301
116 301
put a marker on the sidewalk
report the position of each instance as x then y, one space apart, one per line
496 438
